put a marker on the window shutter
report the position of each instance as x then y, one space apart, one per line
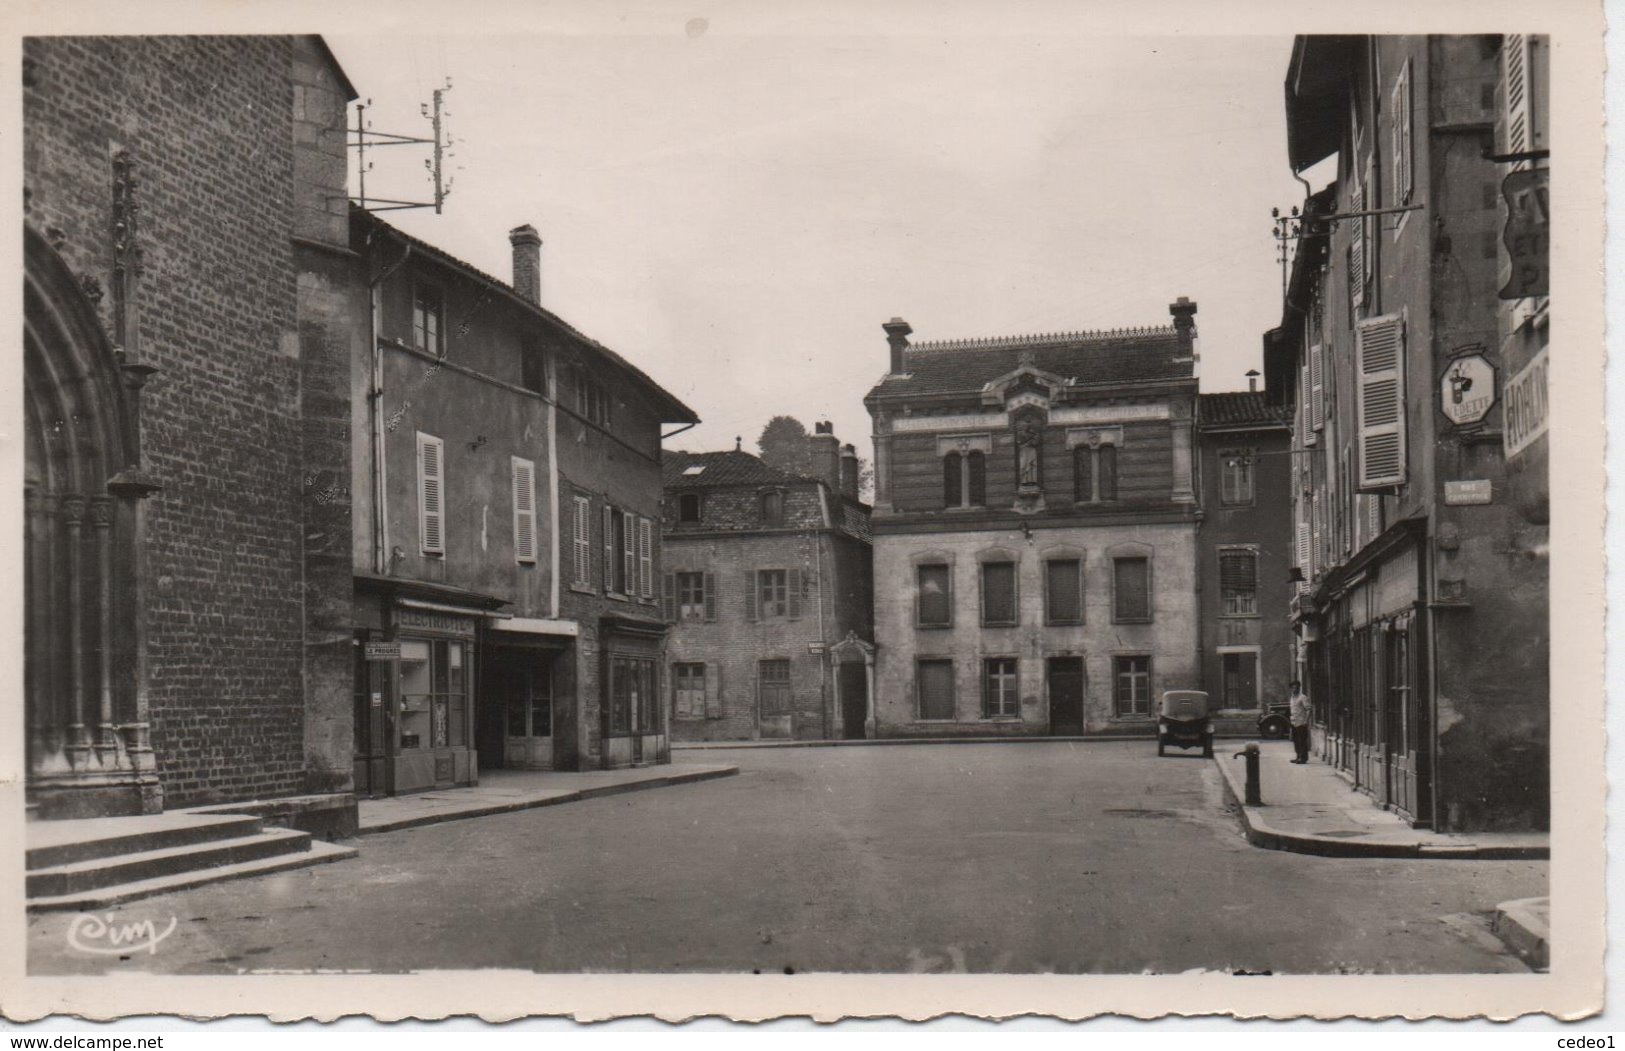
795 581
1515 66
609 548
583 541
750 595
1357 245
1380 408
1317 379
668 598
629 555
524 510
431 494
1401 125
1316 559
713 691
952 493
1306 415
710 596
646 564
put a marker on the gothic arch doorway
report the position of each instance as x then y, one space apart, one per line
89 750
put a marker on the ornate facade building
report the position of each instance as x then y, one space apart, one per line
1035 531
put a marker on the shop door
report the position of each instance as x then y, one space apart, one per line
372 706
1065 696
854 687
1398 746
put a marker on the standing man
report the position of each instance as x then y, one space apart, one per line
1298 716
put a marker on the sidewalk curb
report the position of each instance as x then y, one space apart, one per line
576 796
734 746
1260 833
1523 926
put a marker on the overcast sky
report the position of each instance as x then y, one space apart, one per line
738 208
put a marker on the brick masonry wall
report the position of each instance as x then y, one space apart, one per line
208 122
1170 638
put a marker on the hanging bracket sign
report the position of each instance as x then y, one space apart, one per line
1467 391
1527 234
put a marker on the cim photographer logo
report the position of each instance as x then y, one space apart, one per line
105 936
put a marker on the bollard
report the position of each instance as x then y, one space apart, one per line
1255 796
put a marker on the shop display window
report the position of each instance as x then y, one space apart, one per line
632 707
434 694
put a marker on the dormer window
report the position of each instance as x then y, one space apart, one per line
690 508
771 504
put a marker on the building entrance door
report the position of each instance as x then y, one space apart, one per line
1065 696
854 687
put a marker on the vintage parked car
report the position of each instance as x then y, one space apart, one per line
1183 722
1275 722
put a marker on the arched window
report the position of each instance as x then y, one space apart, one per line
1083 475
976 479
1107 472
953 485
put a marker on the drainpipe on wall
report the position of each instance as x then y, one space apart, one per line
825 667
375 398
553 480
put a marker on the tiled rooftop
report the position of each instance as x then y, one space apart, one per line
1235 408
1117 356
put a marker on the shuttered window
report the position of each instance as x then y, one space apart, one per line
1380 401
646 560
1131 591
933 606
431 494
1524 62
694 596
1357 248
935 683
1317 381
524 510
610 558
1400 125
582 540
773 593
1238 581
1063 591
998 593
626 528
1236 476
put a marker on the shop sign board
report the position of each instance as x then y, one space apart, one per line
1527 234
383 649
1467 391
424 620
1467 492
1526 406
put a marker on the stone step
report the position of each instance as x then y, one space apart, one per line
319 853
55 843
97 873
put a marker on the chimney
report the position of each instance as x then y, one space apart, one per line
1252 381
849 472
897 333
1184 312
824 455
527 262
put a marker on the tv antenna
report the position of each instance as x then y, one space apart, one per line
440 142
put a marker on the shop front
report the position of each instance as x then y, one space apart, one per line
416 683
1367 676
633 724
527 695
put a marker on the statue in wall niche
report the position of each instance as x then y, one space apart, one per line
1028 436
